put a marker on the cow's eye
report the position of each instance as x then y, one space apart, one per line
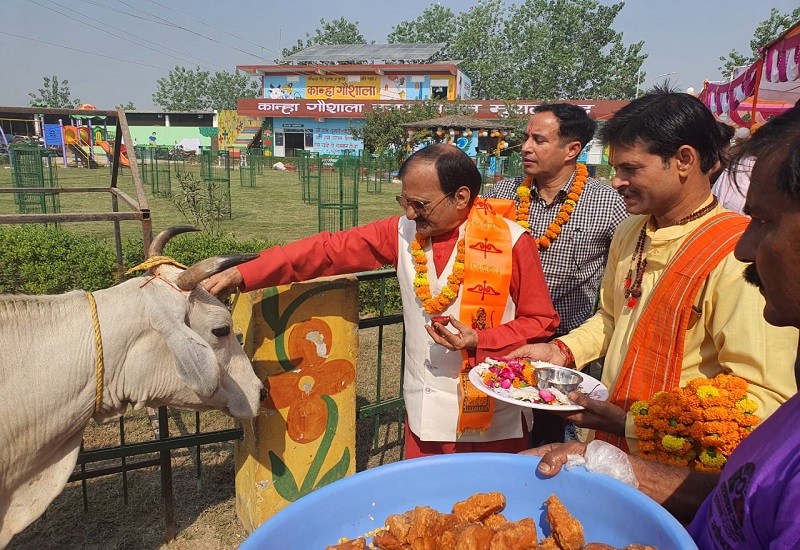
221 331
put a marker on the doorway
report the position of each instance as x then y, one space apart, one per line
294 141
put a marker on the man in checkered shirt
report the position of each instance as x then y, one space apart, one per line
574 261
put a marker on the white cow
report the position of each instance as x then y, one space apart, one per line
165 341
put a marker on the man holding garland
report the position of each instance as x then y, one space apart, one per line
458 260
572 216
753 503
673 304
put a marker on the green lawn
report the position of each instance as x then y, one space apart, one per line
273 210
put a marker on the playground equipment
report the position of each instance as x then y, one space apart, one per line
104 145
76 138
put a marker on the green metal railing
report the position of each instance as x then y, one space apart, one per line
154 166
34 167
494 168
216 171
337 194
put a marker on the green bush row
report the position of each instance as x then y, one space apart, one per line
36 259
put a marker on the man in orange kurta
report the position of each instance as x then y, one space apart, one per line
673 303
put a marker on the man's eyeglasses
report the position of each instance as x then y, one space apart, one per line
419 206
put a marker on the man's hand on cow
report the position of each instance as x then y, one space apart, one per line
539 352
465 338
554 455
595 415
223 284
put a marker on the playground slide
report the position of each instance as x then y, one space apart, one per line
79 152
123 160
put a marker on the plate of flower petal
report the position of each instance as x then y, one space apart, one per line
525 395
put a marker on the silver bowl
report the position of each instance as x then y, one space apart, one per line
561 378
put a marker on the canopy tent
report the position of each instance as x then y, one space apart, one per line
768 87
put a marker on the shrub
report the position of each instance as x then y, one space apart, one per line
35 259
203 204
193 247
370 296
45 260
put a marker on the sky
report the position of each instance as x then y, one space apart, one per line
114 51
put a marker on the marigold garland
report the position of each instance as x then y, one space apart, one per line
561 219
422 287
697 426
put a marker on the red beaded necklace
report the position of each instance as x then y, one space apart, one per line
633 281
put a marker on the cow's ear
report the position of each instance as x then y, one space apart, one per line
194 359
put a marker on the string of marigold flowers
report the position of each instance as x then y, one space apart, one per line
422 287
561 219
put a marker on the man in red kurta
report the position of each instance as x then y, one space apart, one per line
440 248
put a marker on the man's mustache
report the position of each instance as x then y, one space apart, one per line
751 276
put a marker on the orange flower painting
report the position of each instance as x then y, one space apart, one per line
315 375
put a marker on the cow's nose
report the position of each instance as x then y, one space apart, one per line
263 394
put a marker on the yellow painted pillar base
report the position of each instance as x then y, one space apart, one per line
303 341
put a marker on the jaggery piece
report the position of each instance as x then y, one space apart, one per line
474 536
386 540
399 524
495 521
355 544
479 506
426 526
447 540
515 535
548 543
565 529
598 546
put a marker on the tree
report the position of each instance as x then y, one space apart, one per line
541 49
54 95
436 24
468 36
338 31
197 90
129 106
567 49
182 90
766 31
224 89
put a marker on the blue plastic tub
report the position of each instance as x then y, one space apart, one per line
610 511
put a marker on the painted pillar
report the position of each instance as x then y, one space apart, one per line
303 341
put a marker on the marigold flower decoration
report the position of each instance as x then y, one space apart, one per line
422 287
697 426
561 219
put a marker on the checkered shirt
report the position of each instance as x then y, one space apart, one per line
573 265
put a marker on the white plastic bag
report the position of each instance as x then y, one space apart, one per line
604 458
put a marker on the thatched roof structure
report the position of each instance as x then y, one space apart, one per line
458 122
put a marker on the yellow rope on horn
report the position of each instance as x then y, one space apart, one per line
98 396
154 261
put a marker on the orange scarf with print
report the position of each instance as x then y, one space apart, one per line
655 356
487 279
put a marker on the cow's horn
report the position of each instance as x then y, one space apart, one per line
161 240
208 267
